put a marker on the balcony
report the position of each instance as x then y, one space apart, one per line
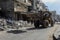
25 2
20 9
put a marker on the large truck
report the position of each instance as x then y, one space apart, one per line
42 18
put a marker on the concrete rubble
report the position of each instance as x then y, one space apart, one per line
56 35
5 24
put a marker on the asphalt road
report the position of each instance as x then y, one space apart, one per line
26 34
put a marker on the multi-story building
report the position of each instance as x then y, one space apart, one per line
29 5
22 5
43 7
39 5
6 8
54 16
10 6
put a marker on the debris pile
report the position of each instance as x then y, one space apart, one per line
6 24
3 24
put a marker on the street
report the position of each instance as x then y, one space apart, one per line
29 20
26 34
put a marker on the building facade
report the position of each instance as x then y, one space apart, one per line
38 5
10 8
54 16
6 8
22 5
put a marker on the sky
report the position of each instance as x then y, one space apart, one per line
53 5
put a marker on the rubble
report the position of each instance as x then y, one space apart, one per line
56 35
6 24
3 24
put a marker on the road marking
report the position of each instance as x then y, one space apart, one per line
51 32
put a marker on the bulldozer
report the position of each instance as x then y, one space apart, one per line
42 18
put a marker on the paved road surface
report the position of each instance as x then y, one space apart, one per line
29 34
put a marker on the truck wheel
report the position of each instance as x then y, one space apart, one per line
52 24
45 24
36 24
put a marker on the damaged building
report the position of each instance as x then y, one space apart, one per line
11 9
28 6
21 6
6 8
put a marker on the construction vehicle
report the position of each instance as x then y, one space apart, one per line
42 18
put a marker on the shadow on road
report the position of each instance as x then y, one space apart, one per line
21 31
35 28
1 29
16 31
